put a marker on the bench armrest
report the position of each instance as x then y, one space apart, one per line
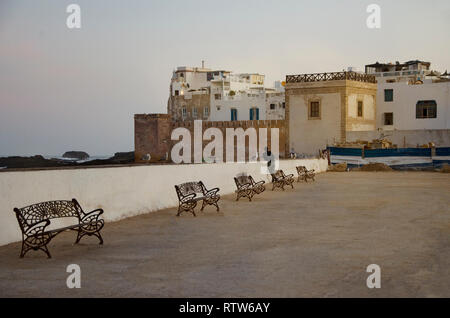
188 198
37 228
211 192
244 186
259 183
92 216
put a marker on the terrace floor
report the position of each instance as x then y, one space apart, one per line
314 241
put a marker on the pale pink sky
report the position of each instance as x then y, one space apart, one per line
64 89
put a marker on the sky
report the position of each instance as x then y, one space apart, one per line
67 89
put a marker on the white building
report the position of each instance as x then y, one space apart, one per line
410 96
413 104
219 95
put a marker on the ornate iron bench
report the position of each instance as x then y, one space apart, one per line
279 180
247 187
305 174
34 219
187 196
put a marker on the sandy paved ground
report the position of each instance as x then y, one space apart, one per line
313 241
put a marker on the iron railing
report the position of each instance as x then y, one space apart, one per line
333 76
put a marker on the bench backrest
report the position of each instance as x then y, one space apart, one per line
279 174
301 169
35 213
188 188
243 180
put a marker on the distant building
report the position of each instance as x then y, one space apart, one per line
324 108
413 103
411 96
220 95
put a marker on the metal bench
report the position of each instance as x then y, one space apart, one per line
188 196
247 187
279 180
34 219
305 174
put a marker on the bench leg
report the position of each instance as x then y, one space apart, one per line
45 249
79 236
99 237
24 250
182 209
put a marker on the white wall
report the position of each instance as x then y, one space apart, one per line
121 191
242 102
277 113
404 105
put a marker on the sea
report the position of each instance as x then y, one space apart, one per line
99 157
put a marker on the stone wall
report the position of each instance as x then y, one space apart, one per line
153 134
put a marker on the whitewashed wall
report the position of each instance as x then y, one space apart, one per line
121 191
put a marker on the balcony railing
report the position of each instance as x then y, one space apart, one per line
334 76
399 73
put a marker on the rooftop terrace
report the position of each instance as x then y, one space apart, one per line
333 76
314 241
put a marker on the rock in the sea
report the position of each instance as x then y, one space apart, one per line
123 157
79 155
16 162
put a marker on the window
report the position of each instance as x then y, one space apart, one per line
388 119
426 109
184 112
388 95
254 113
233 114
360 108
206 112
314 110
217 96
177 93
283 104
194 113
272 106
